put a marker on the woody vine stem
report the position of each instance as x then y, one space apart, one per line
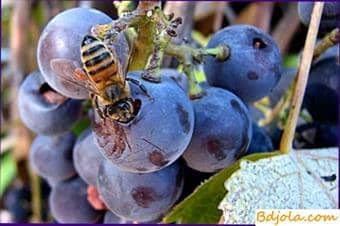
302 76
149 32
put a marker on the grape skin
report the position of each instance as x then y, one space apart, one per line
51 156
68 203
87 157
222 131
254 66
139 196
41 116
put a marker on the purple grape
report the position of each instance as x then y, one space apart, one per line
139 196
321 96
178 77
260 141
330 15
222 131
87 157
41 115
316 135
51 156
68 203
254 66
62 37
157 136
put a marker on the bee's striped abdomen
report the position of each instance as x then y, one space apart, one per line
97 61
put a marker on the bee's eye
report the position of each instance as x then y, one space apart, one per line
111 109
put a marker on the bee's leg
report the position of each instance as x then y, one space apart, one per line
96 106
141 86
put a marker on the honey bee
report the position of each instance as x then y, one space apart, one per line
103 76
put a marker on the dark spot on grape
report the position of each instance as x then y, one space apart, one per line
183 116
215 148
112 137
144 196
258 43
245 140
157 158
252 75
329 178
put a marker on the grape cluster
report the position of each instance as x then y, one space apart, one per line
134 172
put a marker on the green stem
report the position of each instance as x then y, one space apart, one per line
302 77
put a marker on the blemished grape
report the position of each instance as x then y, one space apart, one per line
61 38
254 66
44 111
87 157
139 196
157 136
316 135
330 15
68 203
222 131
260 141
51 156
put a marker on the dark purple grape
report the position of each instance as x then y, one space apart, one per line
178 77
87 157
254 66
17 201
321 97
260 141
139 196
51 157
44 111
68 203
61 38
316 135
322 103
222 131
330 15
157 136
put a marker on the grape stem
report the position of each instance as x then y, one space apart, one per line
149 32
302 77
189 56
330 40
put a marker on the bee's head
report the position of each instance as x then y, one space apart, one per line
122 111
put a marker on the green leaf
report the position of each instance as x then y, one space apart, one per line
202 205
7 171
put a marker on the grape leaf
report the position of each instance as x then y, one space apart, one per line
201 206
304 179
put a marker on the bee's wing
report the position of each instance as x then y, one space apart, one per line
68 71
